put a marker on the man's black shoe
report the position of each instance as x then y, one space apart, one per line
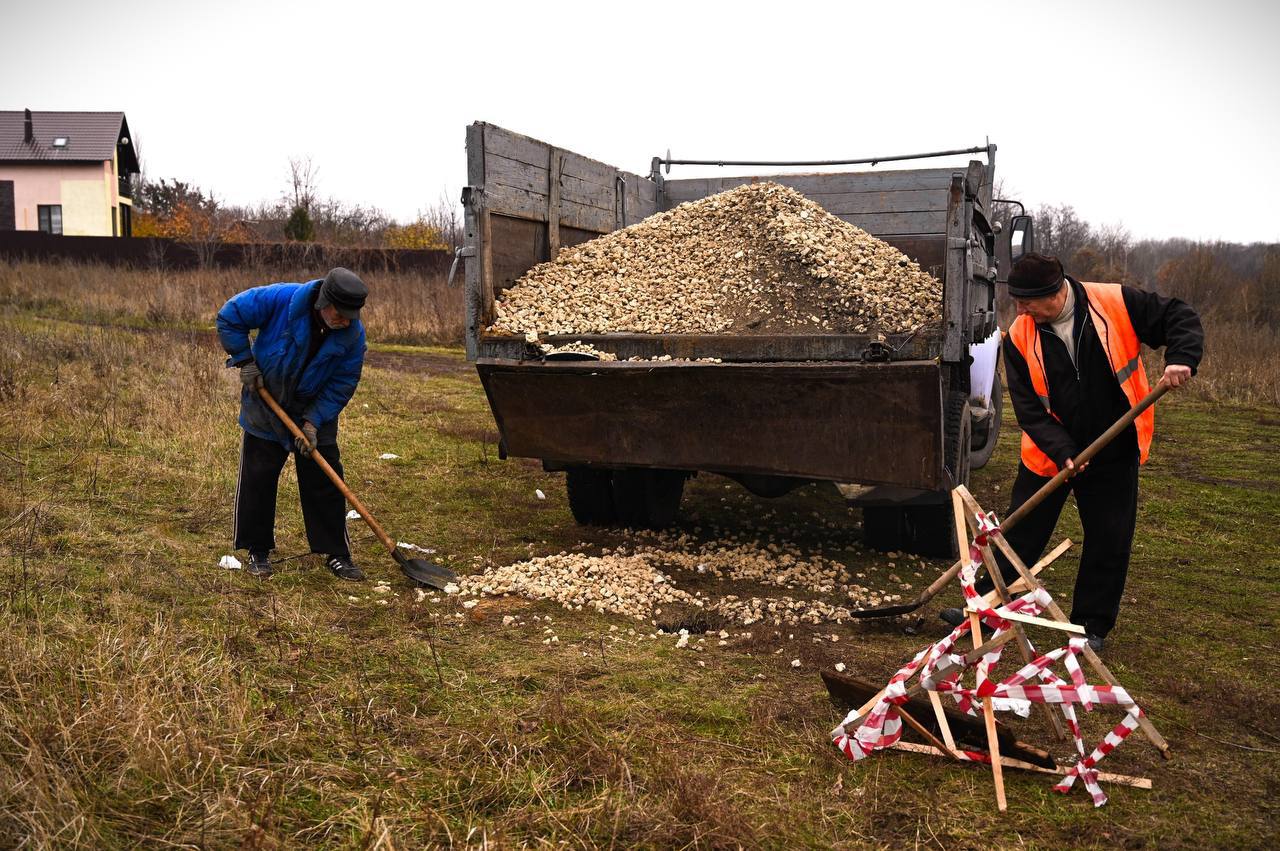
344 568
259 565
953 617
1094 641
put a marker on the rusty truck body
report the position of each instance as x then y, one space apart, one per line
904 416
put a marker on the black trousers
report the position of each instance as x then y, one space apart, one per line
1107 499
324 509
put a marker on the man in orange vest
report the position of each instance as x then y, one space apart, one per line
1073 368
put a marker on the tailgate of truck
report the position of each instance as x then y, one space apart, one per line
844 422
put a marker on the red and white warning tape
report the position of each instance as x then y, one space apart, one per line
882 725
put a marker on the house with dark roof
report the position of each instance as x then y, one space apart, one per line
66 172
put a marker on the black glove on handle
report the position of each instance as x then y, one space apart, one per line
251 377
305 446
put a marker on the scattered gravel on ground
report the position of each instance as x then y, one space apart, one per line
759 258
637 579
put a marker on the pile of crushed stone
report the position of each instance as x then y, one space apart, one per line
759 258
637 580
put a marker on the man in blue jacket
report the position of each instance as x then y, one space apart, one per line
308 353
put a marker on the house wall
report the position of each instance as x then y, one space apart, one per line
86 191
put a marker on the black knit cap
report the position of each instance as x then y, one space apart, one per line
1035 276
343 289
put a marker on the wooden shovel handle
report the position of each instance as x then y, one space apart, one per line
1084 457
1047 488
329 471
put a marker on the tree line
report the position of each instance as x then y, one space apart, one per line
184 211
1227 280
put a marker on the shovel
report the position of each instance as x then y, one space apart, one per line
417 569
1036 498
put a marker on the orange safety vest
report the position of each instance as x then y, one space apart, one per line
1119 340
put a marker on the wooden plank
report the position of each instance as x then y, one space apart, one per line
1009 762
975 626
472 270
902 201
513 173
586 218
1020 584
898 223
940 714
486 265
513 146
517 245
589 170
524 204
955 282
1035 621
521 203
589 193
556 163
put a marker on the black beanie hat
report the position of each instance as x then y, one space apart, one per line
343 289
1035 276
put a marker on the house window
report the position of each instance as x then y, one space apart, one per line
60 142
50 216
115 231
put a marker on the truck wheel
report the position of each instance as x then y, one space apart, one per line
647 499
956 438
629 498
924 530
590 495
663 492
882 527
980 455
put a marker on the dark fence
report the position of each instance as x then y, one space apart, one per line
154 252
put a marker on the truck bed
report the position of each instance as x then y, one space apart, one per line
847 422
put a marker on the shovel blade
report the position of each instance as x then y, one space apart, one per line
886 611
426 572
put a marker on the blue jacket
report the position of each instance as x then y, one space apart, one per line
281 313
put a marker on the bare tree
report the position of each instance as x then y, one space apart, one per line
446 217
303 176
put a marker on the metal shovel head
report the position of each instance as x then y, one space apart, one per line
887 611
425 572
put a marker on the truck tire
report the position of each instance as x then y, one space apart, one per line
980 455
924 530
591 495
957 437
664 490
647 499
882 527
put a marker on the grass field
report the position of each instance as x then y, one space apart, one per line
148 697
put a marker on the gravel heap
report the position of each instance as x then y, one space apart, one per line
759 258
636 580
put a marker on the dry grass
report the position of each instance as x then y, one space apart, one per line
148 698
403 307
1241 363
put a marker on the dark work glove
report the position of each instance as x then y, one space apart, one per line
251 376
305 446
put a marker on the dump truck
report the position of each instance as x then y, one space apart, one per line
895 420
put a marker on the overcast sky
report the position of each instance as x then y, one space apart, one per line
1161 116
